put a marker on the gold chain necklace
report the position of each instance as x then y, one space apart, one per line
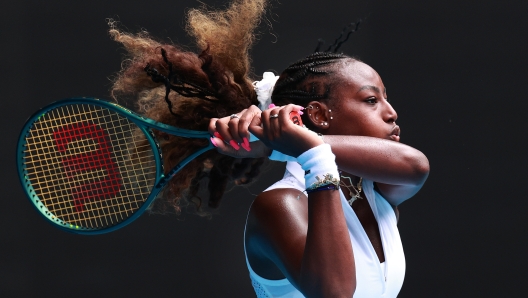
353 197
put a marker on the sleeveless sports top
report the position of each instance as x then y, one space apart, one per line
372 278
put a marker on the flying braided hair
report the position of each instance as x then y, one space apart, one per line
212 83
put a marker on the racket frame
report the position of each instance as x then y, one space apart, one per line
143 123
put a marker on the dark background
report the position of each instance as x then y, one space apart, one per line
455 72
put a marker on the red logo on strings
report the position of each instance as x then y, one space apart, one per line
82 163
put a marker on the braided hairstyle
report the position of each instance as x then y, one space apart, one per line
309 79
212 84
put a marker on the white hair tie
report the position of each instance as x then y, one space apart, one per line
264 88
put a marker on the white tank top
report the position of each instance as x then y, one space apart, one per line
372 278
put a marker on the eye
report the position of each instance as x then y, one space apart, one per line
371 100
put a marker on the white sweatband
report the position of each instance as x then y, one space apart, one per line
264 88
319 164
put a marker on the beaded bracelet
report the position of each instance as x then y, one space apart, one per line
326 187
328 179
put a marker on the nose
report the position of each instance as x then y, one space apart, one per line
390 114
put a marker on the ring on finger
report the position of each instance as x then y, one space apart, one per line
233 116
274 116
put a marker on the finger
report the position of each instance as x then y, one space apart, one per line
222 129
222 132
297 108
233 128
225 149
292 113
243 124
289 108
255 127
266 123
274 124
212 126
246 119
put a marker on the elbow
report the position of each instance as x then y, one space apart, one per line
422 169
419 167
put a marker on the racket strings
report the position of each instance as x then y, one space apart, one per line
94 210
89 166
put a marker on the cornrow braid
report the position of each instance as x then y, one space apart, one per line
295 84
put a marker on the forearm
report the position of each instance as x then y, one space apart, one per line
379 160
328 268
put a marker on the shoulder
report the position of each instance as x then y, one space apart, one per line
276 232
276 208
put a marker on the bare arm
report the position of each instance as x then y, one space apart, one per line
399 170
307 239
327 266
310 244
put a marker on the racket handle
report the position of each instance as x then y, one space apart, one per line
252 138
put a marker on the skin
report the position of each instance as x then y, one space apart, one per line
305 239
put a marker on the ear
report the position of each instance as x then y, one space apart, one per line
319 115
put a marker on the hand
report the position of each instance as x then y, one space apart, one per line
281 134
231 133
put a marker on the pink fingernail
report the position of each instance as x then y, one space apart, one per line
271 106
246 142
245 147
234 144
214 142
216 134
301 113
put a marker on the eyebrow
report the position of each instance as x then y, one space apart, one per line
370 87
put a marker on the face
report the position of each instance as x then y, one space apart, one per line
361 107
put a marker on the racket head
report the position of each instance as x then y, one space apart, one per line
89 166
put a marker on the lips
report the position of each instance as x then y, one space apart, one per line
395 134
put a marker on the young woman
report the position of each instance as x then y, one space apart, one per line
328 228
315 240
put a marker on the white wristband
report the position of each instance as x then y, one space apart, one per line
318 163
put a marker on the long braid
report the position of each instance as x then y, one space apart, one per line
210 84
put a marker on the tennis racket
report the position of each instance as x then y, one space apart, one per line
91 166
